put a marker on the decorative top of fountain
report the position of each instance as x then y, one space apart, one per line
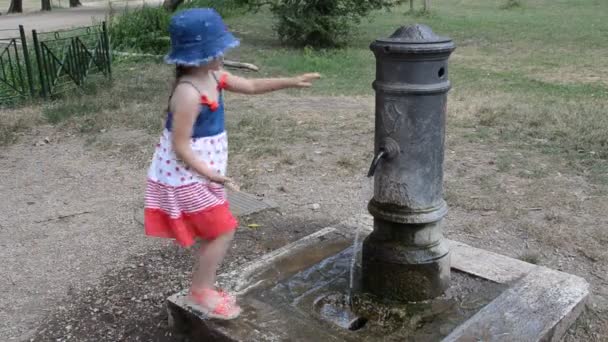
415 38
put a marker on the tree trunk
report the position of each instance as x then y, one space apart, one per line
46 5
411 5
75 3
171 5
427 5
16 6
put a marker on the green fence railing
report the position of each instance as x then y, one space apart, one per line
60 61
16 79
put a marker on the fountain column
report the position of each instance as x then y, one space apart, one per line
406 258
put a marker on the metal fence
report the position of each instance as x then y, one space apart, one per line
51 63
16 79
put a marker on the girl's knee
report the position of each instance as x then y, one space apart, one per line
227 236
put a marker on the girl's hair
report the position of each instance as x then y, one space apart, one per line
180 71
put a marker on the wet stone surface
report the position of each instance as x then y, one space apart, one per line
319 295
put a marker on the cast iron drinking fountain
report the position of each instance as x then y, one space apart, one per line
405 258
405 289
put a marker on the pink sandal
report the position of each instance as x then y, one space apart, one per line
230 298
225 308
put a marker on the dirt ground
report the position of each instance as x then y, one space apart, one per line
78 268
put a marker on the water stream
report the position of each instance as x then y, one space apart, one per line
367 188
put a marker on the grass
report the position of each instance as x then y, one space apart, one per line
9 131
523 57
530 257
123 103
527 75
511 4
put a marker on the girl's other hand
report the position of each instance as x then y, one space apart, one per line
305 80
226 181
230 184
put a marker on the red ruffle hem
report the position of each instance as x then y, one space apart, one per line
207 224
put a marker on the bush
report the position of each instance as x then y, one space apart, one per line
318 23
226 8
510 4
145 29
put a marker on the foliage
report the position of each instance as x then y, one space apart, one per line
318 23
145 29
226 8
510 4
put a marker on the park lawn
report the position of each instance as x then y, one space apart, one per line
530 73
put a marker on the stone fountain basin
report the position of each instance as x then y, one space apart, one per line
287 293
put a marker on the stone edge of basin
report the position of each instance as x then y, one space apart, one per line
539 304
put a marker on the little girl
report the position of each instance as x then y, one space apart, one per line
185 196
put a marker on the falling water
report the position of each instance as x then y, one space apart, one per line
367 187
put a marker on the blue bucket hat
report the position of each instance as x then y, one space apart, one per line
198 36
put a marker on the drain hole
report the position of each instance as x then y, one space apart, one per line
441 72
357 323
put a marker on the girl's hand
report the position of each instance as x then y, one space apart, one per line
305 81
232 185
228 182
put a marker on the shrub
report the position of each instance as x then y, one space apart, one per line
226 8
145 29
318 23
510 4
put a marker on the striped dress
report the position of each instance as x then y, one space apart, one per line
180 204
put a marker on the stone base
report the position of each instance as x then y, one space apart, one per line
537 303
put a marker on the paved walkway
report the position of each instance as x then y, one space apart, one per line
61 18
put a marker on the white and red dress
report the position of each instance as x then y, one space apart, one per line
180 204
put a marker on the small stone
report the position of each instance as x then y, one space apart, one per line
68 327
318 152
47 140
315 206
141 264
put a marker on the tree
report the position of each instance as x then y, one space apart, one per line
427 5
75 3
16 6
46 5
318 23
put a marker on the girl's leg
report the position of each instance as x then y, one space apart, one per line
209 257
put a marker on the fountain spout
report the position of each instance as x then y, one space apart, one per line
388 150
375 162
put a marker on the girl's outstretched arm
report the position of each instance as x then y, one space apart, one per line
260 86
